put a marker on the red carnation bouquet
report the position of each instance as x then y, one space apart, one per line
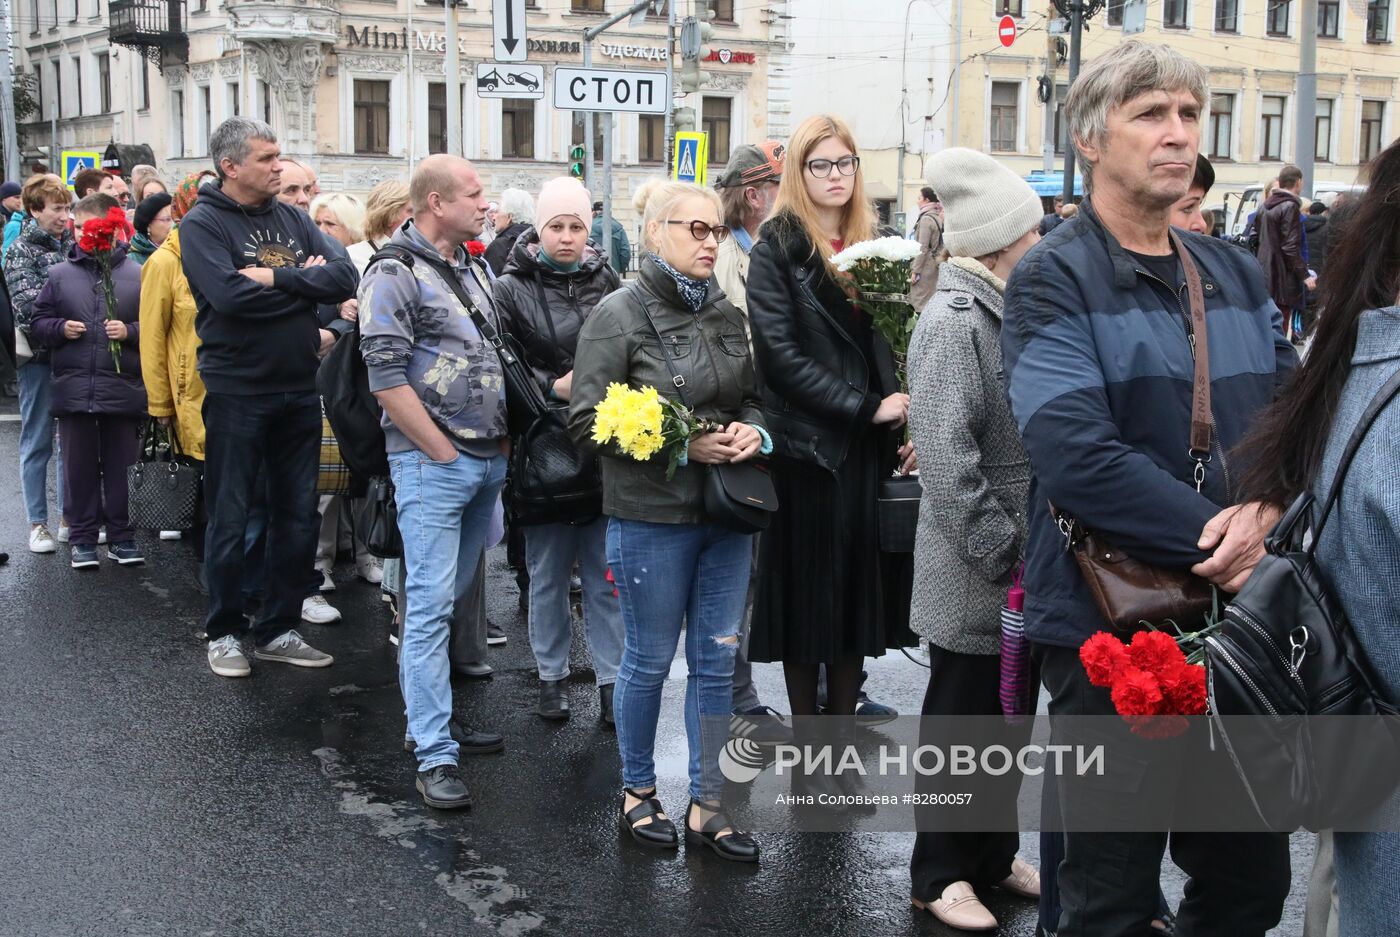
100 236
1153 681
475 248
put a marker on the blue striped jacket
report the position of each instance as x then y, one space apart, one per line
1098 368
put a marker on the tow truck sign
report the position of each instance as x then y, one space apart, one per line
611 89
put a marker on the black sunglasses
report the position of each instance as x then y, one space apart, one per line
700 230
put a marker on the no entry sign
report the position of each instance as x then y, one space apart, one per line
1006 31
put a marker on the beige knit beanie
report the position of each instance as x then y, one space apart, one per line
986 207
563 196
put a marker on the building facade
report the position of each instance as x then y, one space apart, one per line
1250 47
357 88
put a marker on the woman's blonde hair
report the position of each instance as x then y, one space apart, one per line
858 218
348 210
385 204
656 201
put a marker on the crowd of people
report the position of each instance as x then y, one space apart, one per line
1052 363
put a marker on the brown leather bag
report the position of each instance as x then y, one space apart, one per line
1131 594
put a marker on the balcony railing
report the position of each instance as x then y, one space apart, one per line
155 28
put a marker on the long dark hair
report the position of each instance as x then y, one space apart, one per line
1284 449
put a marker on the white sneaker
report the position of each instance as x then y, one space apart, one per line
226 658
64 530
371 569
41 541
317 611
170 535
327 583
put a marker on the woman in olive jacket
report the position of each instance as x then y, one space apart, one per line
670 564
550 285
826 593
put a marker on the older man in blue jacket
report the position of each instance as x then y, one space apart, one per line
1099 354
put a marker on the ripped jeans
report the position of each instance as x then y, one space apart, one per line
668 575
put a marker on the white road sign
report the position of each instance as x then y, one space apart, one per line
508 30
611 89
507 80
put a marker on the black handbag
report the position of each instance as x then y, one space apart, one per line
551 480
898 508
378 521
1284 655
162 489
739 496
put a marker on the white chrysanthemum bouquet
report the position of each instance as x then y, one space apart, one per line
880 271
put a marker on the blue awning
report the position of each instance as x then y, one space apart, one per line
1050 184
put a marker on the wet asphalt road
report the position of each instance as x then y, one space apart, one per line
142 795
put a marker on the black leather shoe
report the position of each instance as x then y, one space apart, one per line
738 846
654 833
605 707
553 705
473 671
442 787
469 741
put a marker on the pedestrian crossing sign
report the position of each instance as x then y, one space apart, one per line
75 161
691 156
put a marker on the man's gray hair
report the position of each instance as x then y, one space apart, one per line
231 140
1119 75
519 205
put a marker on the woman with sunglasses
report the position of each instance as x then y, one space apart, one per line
670 565
826 594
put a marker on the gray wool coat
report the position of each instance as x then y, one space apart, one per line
975 475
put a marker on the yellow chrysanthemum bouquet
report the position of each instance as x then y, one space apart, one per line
643 423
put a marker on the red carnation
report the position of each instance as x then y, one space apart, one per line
1136 693
1184 688
1103 657
1155 651
1158 727
476 248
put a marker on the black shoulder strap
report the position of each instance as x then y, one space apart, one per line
677 380
1363 426
391 252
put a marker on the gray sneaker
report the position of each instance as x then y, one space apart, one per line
226 658
289 648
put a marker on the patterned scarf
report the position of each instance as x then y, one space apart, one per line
692 292
186 193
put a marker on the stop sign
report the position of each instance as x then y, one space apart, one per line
1006 31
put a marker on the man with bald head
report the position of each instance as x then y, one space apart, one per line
443 392
297 183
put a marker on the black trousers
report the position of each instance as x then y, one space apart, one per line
1108 882
965 685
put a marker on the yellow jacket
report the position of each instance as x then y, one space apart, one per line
169 344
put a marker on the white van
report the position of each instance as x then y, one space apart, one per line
1239 206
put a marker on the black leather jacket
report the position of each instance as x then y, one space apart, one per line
544 309
823 371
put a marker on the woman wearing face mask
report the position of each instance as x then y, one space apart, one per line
972 522
549 286
670 564
826 594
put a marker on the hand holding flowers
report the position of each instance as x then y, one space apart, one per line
100 236
642 423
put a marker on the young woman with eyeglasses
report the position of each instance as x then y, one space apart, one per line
826 594
670 564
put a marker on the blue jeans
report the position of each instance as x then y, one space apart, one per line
256 444
550 552
36 443
444 513
667 574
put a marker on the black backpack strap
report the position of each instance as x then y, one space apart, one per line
1363 426
391 252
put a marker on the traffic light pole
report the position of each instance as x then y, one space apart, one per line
593 32
1076 27
670 80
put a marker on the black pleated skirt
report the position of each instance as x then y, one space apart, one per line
825 591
